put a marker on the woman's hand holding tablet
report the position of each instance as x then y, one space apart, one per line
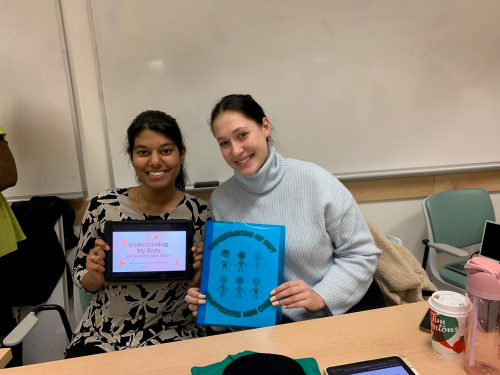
94 279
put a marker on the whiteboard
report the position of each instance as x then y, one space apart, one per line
360 87
36 101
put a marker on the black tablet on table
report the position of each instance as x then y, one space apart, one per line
142 251
395 365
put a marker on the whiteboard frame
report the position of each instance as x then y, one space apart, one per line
101 94
71 94
414 172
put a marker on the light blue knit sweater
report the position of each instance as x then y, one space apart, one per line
328 244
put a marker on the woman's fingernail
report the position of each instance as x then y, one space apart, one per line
201 302
273 291
283 306
272 299
107 247
276 303
202 296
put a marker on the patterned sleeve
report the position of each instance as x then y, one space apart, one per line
201 213
89 232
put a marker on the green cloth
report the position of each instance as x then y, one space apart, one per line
10 230
309 365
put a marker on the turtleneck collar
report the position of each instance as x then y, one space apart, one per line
267 177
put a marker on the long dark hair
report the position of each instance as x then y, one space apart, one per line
160 122
245 105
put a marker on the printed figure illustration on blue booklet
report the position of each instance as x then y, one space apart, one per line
242 264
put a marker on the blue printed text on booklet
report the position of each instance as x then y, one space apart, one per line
242 264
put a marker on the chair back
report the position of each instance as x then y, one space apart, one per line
457 217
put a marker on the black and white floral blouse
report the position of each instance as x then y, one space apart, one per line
131 316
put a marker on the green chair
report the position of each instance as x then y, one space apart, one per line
454 219
394 239
85 299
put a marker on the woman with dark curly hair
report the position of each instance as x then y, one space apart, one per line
131 316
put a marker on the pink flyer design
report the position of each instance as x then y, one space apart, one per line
149 251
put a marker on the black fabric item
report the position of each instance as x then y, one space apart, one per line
286 320
82 350
427 293
373 299
212 332
264 364
50 209
39 260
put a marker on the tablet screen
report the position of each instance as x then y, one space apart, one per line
149 251
155 250
383 366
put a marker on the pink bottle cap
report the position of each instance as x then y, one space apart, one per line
483 279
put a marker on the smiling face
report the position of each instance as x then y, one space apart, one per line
156 160
242 141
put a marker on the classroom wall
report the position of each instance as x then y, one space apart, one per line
401 217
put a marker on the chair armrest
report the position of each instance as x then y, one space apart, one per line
452 250
22 330
18 334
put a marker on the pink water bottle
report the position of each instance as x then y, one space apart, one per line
482 304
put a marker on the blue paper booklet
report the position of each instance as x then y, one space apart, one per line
242 264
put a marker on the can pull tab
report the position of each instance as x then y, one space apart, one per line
485 265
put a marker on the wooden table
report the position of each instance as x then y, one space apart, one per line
5 357
334 340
